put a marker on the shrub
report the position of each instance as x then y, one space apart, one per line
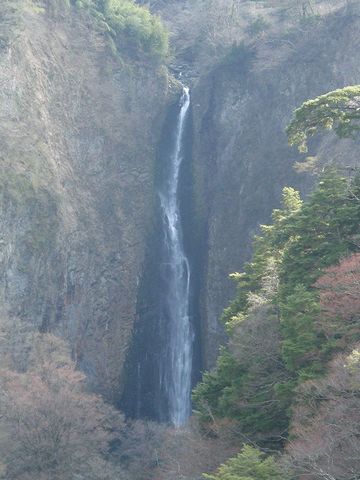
137 28
249 464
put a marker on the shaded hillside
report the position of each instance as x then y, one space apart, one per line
241 156
79 127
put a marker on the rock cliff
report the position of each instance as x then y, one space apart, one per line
241 157
78 136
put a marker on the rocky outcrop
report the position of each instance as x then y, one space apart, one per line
79 128
241 157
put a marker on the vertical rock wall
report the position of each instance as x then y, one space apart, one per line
241 157
79 129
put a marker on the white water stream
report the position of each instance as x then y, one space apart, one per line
176 363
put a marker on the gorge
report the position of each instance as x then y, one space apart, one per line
143 145
86 201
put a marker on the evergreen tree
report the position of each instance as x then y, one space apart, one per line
277 298
338 110
249 464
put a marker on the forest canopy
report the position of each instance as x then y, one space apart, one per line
278 334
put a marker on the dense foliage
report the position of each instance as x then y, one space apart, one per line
297 307
338 110
249 464
136 27
279 337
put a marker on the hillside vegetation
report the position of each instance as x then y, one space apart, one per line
204 31
288 375
131 29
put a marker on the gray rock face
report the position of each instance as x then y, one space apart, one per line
79 131
241 157
78 138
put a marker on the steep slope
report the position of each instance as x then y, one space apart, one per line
241 156
78 134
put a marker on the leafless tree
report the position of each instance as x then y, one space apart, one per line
326 425
50 426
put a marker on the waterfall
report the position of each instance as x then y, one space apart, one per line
176 355
163 360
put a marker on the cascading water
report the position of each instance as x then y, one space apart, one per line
176 358
164 360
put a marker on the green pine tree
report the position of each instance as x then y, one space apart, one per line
249 464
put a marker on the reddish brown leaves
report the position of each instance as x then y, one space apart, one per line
340 296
